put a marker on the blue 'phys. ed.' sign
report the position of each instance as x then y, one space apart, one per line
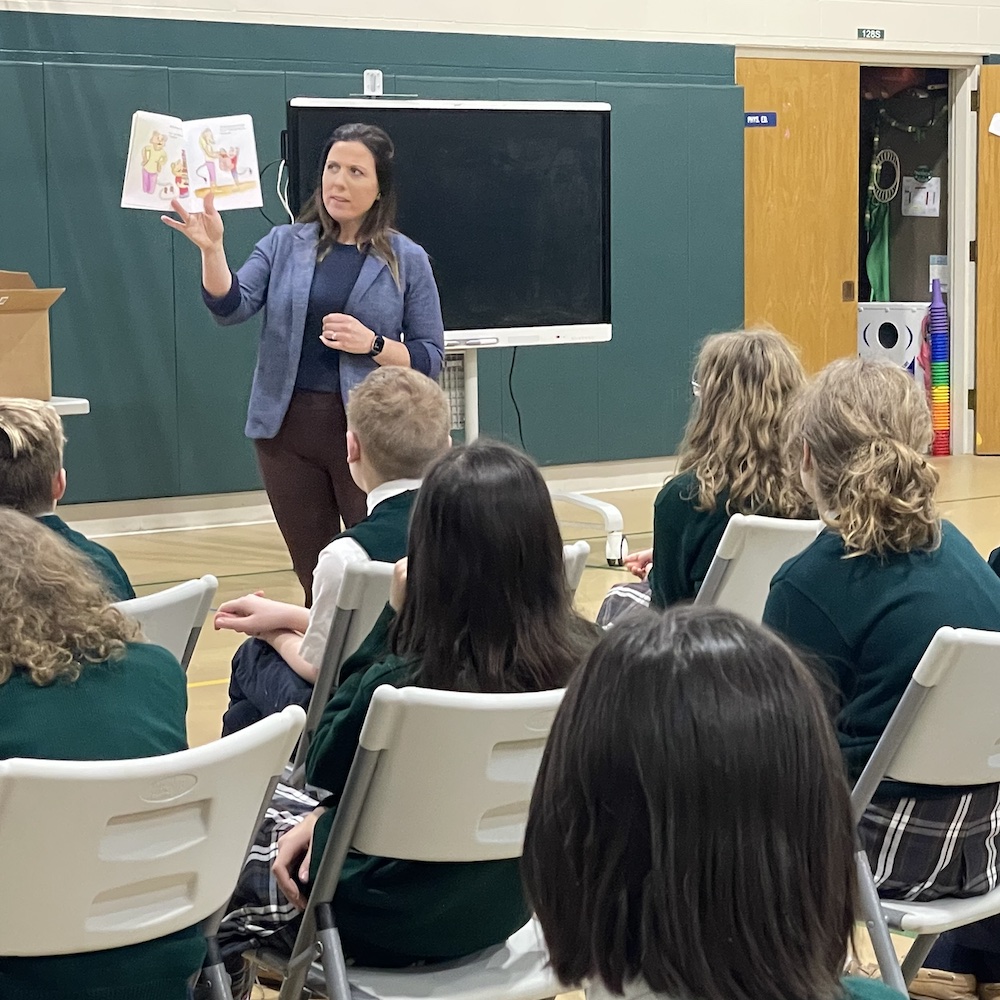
761 119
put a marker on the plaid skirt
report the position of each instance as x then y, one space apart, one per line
924 849
622 599
259 915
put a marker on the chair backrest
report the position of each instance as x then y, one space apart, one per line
364 593
103 854
454 772
173 618
946 728
575 556
751 551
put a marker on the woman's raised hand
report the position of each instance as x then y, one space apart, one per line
203 229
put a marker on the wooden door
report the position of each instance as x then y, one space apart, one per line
988 269
802 203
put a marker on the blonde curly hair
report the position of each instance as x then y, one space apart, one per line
867 424
55 616
734 438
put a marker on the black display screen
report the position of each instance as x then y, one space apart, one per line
513 206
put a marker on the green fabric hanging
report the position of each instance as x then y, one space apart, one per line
877 261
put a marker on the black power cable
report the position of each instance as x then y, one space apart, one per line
513 398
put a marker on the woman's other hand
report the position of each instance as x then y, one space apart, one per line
204 229
344 333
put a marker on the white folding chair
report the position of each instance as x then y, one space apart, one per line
751 551
104 854
575 556
364 593
955 690
173 618
475 757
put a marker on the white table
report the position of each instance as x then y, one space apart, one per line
68 405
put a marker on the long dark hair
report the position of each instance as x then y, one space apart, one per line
691 823
487 606
378 225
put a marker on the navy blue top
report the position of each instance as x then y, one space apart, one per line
333 279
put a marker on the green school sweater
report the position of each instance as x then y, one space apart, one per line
859 988
391 912
383 534
854 988
869 620
684 540
103 559
131 708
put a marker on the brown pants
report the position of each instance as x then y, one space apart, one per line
308 481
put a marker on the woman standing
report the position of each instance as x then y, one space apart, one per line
342 292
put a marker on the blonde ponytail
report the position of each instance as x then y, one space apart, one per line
884 500
865 424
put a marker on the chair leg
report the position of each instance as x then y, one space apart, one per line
214 972
332 954
878 929
296 973
915 956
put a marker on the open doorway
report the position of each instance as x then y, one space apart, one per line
904 130
903 226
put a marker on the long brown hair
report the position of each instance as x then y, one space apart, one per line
487 606
734 439
378 224
691 825
55 614
866 424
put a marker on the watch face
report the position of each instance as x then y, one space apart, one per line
378 345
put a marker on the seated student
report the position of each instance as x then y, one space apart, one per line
33 481
867 597
486 608
78 683
690 830
732 461
398 421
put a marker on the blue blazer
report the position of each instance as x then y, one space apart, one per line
277 278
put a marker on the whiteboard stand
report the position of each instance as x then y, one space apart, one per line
461 384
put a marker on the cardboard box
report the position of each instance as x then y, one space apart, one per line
25 359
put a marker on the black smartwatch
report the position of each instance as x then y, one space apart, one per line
377 344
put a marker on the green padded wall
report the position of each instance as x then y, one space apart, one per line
169 388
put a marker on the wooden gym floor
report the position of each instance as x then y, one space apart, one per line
253 557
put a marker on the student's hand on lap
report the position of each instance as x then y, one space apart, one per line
397 592
291 864
640 563
251 614
345 333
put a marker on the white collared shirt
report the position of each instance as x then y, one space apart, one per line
329 574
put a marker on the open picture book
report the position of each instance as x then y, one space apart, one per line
169 158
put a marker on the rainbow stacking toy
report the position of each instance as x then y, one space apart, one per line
940 373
